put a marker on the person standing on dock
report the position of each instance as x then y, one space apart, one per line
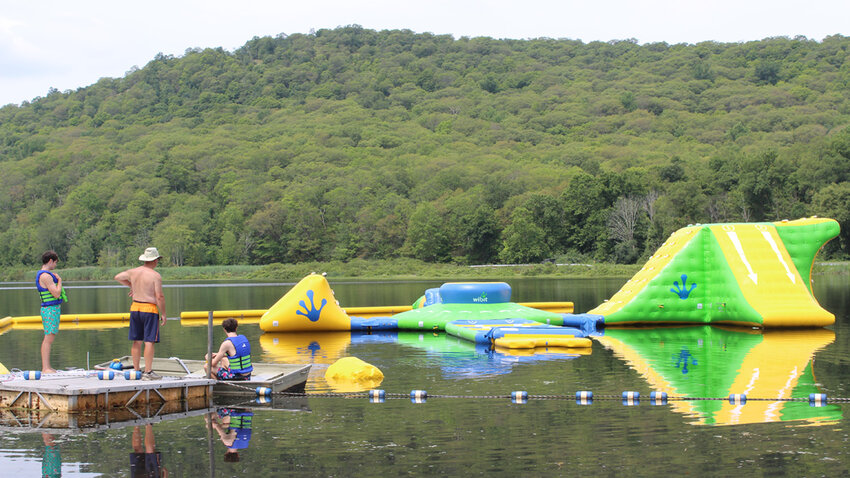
49 286
147 313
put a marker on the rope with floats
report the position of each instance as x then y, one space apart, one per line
582 397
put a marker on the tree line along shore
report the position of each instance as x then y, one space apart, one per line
396 269
351 144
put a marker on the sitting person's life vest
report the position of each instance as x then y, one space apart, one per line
47 298
240 422
241 362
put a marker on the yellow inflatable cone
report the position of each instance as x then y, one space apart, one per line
309 306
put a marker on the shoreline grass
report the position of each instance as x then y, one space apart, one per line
396 269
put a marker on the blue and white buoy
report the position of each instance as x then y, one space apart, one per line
658 398
377 396
132 375
418 396
738 398
106 374
264 391
631 399
32 375
817 399
519 397
584 397
263 400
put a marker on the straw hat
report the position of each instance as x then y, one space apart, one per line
151 254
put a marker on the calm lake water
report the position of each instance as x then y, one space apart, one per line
468 434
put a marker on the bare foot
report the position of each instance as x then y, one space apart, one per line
48 370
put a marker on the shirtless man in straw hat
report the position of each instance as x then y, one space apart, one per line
147 313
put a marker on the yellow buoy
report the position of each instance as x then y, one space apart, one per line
350 374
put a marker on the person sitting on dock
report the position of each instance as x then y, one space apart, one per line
147 313
233 359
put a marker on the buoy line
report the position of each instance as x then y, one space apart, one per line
581 397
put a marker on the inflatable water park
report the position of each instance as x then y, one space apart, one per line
480 312
746 274
753 280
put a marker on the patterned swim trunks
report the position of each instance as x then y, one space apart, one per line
50 319
224 374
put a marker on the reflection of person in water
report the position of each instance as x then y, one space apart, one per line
51 465
234 428
145 460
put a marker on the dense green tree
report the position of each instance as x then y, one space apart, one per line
352 143
834 201
524 241
427 238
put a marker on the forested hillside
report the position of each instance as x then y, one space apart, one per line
352 143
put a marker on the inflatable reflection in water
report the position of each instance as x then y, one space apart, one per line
310 306
456 358
755 274
706 361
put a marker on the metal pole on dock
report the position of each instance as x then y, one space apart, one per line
209 344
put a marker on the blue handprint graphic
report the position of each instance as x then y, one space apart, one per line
312 313
683 358
681 291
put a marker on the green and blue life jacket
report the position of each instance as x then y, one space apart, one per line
47 298
240 422
241 362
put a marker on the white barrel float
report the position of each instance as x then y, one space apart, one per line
817 399
584 397
106 374
132 375
32 375
631 399
418 396
475 293
737 399
263 391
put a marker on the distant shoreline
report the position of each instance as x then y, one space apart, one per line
401 269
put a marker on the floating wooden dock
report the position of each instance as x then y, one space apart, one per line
81 391
279 377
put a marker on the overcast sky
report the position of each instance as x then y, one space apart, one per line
69 44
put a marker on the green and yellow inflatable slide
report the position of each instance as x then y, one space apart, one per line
755 274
